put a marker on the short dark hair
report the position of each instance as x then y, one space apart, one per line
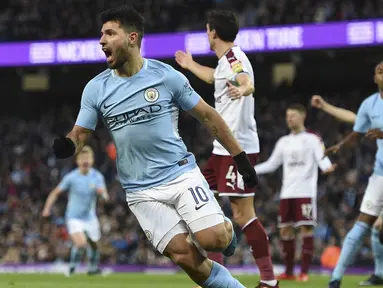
225 24
128 17
297 107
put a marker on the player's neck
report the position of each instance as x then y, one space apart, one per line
131 67
298 130
84 171
222 48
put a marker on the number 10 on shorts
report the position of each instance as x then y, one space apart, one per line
200 197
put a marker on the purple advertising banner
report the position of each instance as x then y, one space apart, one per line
265 39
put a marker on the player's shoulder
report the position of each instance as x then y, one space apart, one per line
370 100
97 80
314 135
234 55
160 68
71 174
96 172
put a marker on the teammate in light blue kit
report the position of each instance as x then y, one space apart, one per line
138 100
369 121
84 184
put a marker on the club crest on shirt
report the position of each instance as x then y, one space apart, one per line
151 95
92 186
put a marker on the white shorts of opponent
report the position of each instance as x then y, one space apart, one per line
372 203
183 205
90 227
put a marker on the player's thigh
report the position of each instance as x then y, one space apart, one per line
285 214
92 230
305 212
230 182
378 225
372 203
199 209
159 221
76 231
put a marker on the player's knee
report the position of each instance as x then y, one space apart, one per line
180 251
378 224
306 230
215 238
243 210
286 232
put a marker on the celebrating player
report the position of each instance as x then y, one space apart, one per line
138 99
377 248
84 185
233 79
300 153
369 121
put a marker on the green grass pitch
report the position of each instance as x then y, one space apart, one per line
142 280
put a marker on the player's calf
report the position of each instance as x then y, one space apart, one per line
200 269
307 250
79 245
93 256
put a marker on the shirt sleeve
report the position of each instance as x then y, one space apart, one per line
101 181
323 162
183 94
88 115
362 122
274 161
64 185
236 64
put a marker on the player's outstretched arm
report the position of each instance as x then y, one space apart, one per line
210 118
349 141
72 144
273 162
339 113
185 60
51 200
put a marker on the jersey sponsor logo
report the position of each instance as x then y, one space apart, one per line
151 95
139 114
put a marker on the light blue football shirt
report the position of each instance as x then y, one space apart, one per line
141 114
82 190
370 116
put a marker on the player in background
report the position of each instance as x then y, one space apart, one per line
301 153
84 185
233 79
369 121
138 100
377 248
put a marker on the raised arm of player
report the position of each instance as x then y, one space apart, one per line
86 123
185 60
274 161
339 113
54 194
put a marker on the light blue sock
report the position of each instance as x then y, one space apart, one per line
377 250
220 277
93 258
75 256
351 246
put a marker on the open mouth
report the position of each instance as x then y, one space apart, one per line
108 54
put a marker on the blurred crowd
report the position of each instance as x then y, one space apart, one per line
46 19
28 172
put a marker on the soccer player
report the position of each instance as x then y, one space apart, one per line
138 100
369 121
84 185
377 248
233 79
300 153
